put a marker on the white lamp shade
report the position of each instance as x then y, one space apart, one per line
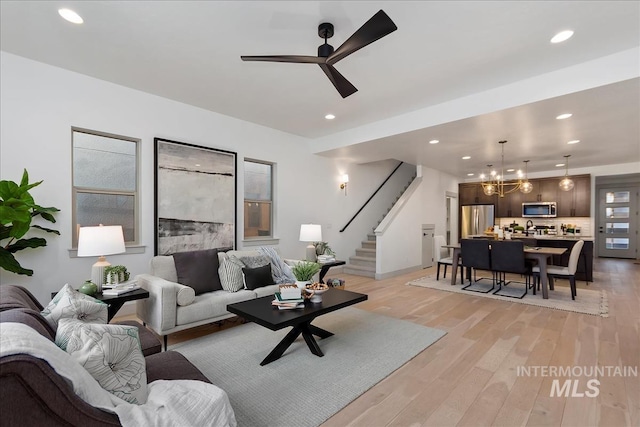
310 233
345 178
100 241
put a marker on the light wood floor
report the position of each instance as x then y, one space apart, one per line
470 377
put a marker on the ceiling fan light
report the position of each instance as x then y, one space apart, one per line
526 187
566 184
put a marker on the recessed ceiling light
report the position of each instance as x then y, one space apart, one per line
433 141
562 36
466 157
511 170
70 16
470 174
573 141
559 165
329 117
564 116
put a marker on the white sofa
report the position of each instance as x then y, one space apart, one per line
166 310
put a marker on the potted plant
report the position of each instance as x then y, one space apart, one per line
17 210
323 248
304 272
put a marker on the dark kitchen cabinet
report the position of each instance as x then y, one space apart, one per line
472 194
576 202
544 190
510 206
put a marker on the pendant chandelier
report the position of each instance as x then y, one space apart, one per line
566 183
495 184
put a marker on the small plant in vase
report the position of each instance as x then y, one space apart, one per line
323 248
304 272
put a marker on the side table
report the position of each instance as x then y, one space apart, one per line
326 266
115 302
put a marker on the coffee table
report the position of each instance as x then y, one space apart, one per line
261 311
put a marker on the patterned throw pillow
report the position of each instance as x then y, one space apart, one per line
254 261
71 304
230 273
110 353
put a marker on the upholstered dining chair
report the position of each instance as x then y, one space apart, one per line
507 256
475 255
568 272
444 258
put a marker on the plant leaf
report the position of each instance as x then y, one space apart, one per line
19 229
9 263
47 216
48 230
10 215
33 242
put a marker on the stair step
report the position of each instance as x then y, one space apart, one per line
371 237
368 244
362 261
366 252
358 270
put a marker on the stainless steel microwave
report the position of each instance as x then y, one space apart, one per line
539 210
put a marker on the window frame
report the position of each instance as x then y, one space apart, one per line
84 190
271 201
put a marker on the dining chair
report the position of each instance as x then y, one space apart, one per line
507 256
568 272
444 258
476 255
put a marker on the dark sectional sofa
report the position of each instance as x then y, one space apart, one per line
33 394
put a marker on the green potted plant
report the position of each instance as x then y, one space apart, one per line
17 210
323 248
304 272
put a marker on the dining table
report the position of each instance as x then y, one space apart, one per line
539 254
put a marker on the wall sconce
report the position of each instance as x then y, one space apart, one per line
345 181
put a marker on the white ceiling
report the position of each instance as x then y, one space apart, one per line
442 52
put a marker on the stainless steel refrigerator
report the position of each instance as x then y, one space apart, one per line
475 219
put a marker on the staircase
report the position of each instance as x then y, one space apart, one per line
364 262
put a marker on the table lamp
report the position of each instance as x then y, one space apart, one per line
311 233
100 241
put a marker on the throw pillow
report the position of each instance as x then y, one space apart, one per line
71 304
230 272
254 261
110 353
198 270
281 271
257 277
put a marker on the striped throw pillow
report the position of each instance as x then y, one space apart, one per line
230 272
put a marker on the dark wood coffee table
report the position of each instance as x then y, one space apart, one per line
261 311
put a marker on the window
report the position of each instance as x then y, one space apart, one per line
258 194
105 182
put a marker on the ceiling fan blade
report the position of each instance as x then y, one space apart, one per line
375 28
300 59
339 81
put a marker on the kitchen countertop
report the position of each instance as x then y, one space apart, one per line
551 237
543 237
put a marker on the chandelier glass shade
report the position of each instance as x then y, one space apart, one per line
566 183
496 184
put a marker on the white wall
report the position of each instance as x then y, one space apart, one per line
399 248
38 106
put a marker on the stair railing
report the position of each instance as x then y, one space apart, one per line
372 196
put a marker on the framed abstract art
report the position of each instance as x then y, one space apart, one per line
195 197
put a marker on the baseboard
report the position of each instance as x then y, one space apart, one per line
381 276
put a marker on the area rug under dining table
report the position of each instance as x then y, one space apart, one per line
588 301
301 389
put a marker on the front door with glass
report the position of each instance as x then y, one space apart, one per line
618 227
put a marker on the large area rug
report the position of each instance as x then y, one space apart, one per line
587 301
301 389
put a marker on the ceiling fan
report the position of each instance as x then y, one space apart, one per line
375 28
